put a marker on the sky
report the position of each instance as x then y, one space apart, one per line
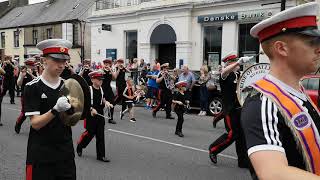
30 1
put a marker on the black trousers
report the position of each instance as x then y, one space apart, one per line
95 128
60 170
120 98
8 85
180 120
165 101
234 133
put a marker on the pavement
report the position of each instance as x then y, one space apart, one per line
144 150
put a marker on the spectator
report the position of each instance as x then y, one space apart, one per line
152 86
187 76
99 66
204 95
134 71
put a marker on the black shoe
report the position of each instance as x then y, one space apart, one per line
79 151
12 102
103 159
111 121
133 120
214 124
179 134
154 114
169 117
17 128
213 158
121 115
1 124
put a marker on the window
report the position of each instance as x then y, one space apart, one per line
248 45
35 36
131 44
49 33
3 39
75 34
212 46
16 38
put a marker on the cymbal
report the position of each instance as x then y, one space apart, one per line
77 91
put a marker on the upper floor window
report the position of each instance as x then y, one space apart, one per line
49 33
16 38
35 36
3 39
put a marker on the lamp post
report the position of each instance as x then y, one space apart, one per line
283 5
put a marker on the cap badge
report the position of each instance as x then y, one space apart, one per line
62 49
284 29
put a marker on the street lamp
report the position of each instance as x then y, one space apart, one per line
283 5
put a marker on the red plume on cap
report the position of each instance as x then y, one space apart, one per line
96 74
181 84
30 61
107 61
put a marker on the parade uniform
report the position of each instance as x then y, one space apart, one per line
27 78
50 152
8 82
180 109
94 124
121 85
165 97
275 116
232 113
107 90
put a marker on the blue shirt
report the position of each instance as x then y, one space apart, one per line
189 78
152 82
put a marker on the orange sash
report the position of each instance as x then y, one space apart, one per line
301 124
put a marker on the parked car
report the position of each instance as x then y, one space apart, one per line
311 85
214 102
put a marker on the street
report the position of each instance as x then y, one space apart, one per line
145 150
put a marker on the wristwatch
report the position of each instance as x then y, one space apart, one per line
54 112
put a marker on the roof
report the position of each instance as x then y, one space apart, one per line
45 13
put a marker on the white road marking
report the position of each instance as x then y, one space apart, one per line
174 144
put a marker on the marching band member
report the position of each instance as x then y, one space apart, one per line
2 72
179 100
281 124
95 123
231 110
165 93
8 81
26 75
50 152
86 69
109 75
121 84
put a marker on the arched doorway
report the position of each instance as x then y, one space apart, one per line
163 39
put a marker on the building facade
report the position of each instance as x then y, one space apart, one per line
178 31
23 27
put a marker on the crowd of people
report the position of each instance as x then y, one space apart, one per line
276 131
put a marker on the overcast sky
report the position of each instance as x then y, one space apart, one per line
30 1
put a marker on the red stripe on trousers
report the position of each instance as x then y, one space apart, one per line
158 100
22 111
82 136
85 123
29 172
228 119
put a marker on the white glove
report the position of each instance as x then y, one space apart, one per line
244 59
62 104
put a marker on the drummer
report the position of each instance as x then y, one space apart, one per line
231 111
86 69
50 152
95 123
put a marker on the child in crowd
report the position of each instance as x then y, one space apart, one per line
180 103
129 97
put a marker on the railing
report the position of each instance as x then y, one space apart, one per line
109 4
